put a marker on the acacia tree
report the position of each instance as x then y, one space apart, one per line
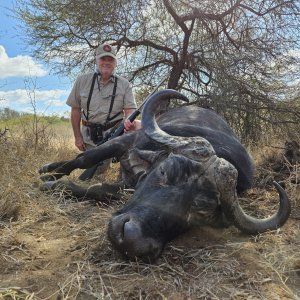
229 55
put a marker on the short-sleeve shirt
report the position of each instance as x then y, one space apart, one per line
101 98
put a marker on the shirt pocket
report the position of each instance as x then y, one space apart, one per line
84 99
117 105
104 103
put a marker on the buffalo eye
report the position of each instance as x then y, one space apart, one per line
163 174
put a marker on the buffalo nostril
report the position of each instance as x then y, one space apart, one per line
131 231
125 233
125 230
124 222
118 227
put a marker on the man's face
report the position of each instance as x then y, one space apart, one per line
106 65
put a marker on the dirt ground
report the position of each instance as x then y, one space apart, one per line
53 247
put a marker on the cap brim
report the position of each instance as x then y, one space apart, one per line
106 54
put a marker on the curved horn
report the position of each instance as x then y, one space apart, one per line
151 108
251 225
196 148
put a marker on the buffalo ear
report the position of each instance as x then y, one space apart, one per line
151 156
296 145
293 145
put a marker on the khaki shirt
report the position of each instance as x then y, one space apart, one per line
100 100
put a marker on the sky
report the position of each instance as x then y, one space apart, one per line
25 83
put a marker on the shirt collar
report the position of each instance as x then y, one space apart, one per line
112 77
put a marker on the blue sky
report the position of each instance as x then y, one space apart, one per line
23 80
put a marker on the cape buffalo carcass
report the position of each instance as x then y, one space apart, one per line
186 167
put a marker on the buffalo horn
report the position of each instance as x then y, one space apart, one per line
251 225
148 117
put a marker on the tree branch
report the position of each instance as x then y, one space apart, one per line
132 44
179 21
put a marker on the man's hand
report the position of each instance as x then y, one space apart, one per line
131 126
79 143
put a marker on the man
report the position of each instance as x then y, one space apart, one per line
105 92
100 100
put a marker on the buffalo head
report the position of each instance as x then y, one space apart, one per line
189 186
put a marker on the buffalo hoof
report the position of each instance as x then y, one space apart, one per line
51 177
48 186
45 169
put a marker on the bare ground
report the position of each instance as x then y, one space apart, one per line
52 247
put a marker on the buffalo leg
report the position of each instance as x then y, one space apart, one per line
87 159
97 192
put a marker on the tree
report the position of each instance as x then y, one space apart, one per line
7 113
228 54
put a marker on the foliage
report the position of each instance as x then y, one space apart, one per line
35 131
238 57
11 117
7 113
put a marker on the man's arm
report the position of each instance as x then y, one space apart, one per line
75 121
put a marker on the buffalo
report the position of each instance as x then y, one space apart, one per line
187 168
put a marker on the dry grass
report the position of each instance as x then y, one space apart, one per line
56 248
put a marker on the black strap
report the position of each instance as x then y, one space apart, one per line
90 96
108 119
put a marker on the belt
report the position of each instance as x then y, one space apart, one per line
104 127
85 123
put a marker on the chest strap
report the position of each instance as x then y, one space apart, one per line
90 96
108 119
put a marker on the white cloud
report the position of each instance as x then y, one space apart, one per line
21 96
19 66
47 102
54 103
